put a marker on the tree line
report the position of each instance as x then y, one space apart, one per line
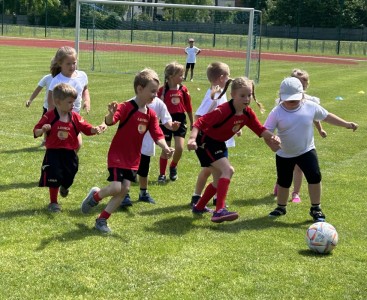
293 13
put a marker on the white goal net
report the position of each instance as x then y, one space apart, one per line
125 37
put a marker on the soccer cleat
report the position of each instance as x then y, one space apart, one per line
63 192
162 179
295 198
146 198
54 207
200 212
279 211
101 225
194 199
317 214
89 201
173 173
224 215
126 202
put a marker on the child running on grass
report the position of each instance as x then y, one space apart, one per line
148 150
297 174
178 100
135 119
61 126
208 138
218 74
293 119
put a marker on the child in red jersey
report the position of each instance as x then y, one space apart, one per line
61 126
135 119
208 138
178 101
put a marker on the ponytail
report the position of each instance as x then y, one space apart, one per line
216 89
262 109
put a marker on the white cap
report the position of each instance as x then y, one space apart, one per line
291 89
191 40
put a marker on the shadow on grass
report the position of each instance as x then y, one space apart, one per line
173 226
27 149
167 209
81 232
19 185
252 202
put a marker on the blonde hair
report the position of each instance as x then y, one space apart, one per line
171 70
241 82
213 72
144 77
303 76
59 57
63 91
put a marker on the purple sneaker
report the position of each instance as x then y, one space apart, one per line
224 215
200 212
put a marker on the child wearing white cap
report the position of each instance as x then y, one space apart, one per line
293 119
191 52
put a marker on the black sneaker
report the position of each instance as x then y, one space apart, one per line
63 192
194 199
200 212
279 211
162 179
173 173
317 214
126 202
146 198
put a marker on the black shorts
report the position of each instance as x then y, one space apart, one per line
308 163
209 150
59 168
190 66
144 166
117 174
181 132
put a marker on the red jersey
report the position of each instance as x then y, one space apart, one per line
125 148
63 135
222 123
177 101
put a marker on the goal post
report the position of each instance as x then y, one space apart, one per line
123 36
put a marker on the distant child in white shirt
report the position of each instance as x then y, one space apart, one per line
191 52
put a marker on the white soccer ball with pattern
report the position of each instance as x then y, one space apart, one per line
321 237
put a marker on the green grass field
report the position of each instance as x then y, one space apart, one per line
162 251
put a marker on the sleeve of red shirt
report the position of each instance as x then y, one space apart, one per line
187 99
154 129
254 124
82 125
208 120
120 113
44 120
160 92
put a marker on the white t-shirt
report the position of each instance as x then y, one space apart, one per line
79 82
45 82
148 146
295 127
191 54
207 105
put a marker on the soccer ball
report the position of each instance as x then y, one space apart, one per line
321 237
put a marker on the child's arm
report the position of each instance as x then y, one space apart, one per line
39 132
112 107
191 143
191 119
173 126
337 121
35 93
86 99
321 131
50 101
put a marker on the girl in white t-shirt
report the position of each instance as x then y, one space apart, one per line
293 120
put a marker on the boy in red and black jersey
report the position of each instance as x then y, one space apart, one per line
135 119
61 126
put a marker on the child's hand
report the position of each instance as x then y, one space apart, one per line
239 132
86 106
46 128
112 107
169 152
28 103
323 133
352 126
175 125
191 144
103 127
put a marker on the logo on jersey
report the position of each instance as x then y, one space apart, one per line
142 128
62 135
175 100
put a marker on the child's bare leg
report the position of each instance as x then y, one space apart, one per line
297 179
201 180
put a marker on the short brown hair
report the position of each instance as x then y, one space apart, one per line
63 91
